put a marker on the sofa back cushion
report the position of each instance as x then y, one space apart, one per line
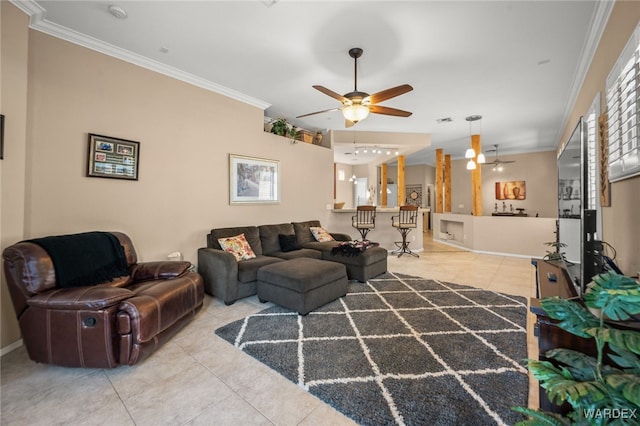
250 233
269 236
303 231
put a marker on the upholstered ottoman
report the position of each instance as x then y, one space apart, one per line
368 264
302 284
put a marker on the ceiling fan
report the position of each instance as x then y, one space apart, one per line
497 163
356 105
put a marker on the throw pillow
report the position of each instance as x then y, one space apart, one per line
237 246
320 234
288 242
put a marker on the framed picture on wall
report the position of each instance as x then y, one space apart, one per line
253 180
114 158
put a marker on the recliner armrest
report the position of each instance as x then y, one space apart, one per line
158 270
77 298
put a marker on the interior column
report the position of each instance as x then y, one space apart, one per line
383 185
402 196
447 183
476 179
439 187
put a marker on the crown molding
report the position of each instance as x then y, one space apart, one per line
596 29
38 22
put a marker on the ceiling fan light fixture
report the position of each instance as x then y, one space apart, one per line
471 165
481 159
470 153
355 112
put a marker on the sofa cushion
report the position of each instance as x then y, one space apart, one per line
321 246
251 233
295 254
320 234
269 236
288 242
248 269
237 246
303 231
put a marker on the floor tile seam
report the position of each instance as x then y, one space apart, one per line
122 401
230 389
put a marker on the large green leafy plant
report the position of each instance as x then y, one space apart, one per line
598 393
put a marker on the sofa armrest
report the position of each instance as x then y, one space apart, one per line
158 270
340 236
219 271
79 298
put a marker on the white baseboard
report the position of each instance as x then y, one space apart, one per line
15 345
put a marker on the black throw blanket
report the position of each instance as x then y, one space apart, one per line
85 259
352 248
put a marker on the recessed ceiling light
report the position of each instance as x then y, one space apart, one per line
118 12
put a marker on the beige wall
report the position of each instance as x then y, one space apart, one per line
344 188
185 134
621 227
13 104
538 170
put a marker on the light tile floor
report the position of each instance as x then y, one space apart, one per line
199 379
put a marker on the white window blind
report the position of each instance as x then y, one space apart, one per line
623 110
592 160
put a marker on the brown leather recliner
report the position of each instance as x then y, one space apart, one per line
118 322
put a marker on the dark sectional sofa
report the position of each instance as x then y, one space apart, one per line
230 280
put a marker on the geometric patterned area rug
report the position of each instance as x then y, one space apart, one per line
401 350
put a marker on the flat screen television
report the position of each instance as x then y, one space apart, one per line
576 219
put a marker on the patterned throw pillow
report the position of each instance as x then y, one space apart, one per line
237 246
320 234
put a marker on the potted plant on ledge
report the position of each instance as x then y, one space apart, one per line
598 393
281 127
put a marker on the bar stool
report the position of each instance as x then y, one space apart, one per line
405 221
364 220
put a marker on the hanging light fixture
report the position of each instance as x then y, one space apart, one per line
470 153
355 112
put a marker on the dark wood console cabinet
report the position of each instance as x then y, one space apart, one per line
553 280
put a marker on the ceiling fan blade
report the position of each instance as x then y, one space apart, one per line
333 94
389 93
318 112
377 109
